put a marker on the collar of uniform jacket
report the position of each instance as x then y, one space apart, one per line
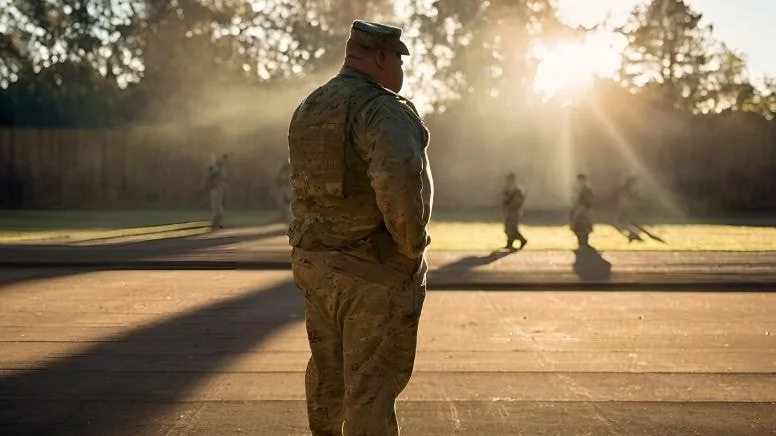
352 72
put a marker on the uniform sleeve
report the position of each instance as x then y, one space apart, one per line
392 140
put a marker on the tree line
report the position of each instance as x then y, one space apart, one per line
115 63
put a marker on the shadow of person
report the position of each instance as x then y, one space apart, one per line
64 259
470 262
120 384
628 232
590 266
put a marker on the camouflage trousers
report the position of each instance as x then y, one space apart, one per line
625 219
511 228
581 223
217 205
362 323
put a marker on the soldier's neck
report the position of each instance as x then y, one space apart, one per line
352 70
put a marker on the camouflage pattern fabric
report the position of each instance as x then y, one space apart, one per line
216 175
359 258
626 203
581 215
511 228
512 206
581 220
396 191
217 195
362 323
390 136
216 183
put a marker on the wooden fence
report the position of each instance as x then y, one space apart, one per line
704 164
707 164
137 168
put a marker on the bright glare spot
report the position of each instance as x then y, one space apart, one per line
591 12
570 68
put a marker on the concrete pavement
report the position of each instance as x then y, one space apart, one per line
266 248
223 352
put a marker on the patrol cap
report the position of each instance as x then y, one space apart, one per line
378 36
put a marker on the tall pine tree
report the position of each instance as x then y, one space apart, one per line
668 53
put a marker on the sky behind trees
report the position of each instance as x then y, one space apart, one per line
746 25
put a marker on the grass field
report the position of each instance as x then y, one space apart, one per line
446 233
679 237
79 226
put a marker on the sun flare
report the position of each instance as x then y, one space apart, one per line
568 69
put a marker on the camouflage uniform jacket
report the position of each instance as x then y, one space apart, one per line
387 187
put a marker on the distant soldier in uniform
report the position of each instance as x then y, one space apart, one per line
512 206
362 201
216 185
581 216
283 191
626 205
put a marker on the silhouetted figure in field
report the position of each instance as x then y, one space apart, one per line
512 206
283 192
216 184
581 214
627 202
627 205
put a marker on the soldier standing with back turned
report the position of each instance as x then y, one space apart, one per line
362 200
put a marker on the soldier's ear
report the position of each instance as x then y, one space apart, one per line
380 59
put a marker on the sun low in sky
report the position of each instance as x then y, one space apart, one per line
567 69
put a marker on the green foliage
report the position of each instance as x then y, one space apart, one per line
481 51
674 58
109 63
668 52
151 54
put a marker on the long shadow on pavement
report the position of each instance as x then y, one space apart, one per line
12 276
471 262
121 385
589 265
133 250
63 259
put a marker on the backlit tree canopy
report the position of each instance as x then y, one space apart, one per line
98 62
